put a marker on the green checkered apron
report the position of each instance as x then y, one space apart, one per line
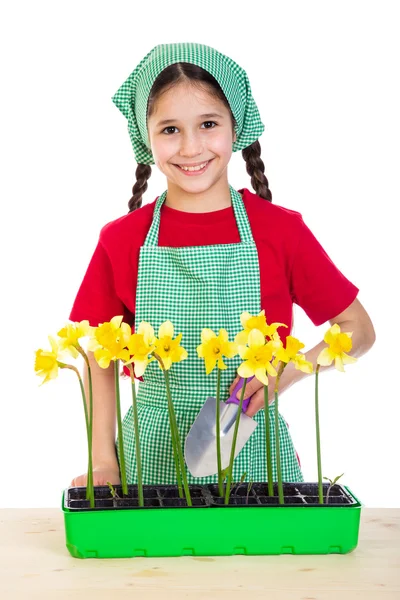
196 287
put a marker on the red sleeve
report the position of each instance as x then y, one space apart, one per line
317 285
97 300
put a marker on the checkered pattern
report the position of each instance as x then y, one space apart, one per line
132 97
196 287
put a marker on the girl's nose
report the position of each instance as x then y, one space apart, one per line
191 145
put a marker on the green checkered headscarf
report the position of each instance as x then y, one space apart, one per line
132 96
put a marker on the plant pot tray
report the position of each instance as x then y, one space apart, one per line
252 523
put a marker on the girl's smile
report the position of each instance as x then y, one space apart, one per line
196 169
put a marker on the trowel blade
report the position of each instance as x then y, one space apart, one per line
201 444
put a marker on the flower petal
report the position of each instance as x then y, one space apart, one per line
116 321
245 370
244 317
166 329
347 359
207 335
325 357
241 338
261 375
256 339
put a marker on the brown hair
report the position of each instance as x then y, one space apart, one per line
183 72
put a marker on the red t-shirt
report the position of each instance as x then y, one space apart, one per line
294 268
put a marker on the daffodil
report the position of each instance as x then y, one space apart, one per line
259 322
141 345
213 348
283 356
71 334
47 364
338 345
69 341
301 364
288 353
168 351
257 356
46 361
109 342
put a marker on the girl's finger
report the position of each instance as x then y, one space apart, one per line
251 388
234 382
256 403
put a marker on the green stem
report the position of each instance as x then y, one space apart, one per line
89 479
268 443
175 450
90 467
120 436
218 436
173 437
177 441
137 441
277 440
89 423
232 456
320 487
89 485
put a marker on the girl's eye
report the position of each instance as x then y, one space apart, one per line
173 127
210 122
170 127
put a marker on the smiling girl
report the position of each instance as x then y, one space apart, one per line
199 255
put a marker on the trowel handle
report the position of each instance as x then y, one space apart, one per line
233 400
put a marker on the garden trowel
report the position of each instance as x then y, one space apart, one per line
201 444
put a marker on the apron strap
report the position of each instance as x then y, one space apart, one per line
242 219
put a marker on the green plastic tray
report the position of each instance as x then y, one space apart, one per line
212 531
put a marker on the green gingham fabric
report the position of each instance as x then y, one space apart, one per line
196 287
132 97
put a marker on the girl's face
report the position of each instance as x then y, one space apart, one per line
190 127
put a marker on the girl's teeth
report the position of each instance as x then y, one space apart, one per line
194 168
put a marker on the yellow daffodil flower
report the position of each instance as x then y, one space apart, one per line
168 349
214 347
46 362
71 334
109 342
339 343
259 322
302 364
140 345
257 356
286 355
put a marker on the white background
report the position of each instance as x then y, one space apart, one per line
325 78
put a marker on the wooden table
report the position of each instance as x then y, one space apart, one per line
35 564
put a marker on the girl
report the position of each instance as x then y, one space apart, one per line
199 255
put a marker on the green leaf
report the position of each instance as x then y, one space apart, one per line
338 477
113 492
224 473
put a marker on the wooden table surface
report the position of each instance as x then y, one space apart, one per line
35 563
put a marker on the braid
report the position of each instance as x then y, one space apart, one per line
142 174
255 168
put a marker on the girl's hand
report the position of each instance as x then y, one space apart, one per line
255 390
100 477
